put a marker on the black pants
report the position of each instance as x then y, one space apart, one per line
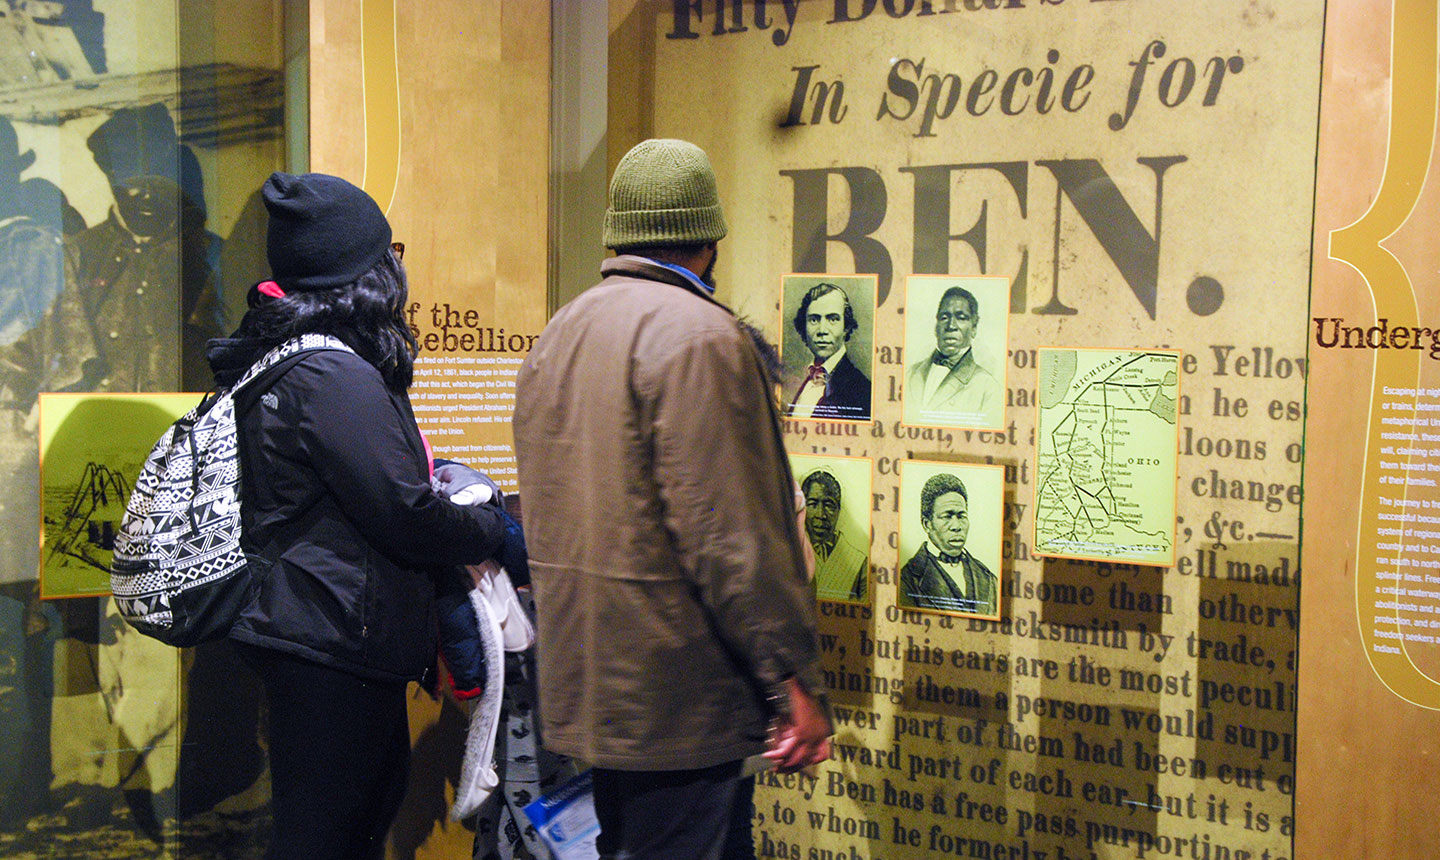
339 752
674 814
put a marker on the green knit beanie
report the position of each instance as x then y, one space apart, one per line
663 194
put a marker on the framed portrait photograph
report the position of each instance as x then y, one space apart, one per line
827 345
957 337
837 523
951 533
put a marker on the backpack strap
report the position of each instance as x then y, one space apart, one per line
293 347
268 369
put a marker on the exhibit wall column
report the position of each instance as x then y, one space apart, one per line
1369 661
440 109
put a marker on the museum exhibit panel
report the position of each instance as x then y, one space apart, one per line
134 138
1098 320
1134 692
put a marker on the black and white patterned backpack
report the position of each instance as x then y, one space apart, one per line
179 573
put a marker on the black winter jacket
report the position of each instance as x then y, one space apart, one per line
336 500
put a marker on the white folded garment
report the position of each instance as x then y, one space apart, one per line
504 626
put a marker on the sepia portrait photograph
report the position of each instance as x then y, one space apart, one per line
950 538
827 345
836 523
956 342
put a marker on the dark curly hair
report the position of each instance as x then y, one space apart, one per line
368 315
816 292
937 486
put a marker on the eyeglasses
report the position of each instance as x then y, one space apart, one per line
399 249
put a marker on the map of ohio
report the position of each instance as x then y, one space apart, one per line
1106 455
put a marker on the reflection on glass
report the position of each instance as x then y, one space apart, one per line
123 248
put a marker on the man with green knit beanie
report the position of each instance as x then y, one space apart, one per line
677 629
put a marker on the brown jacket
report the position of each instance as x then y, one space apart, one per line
659 515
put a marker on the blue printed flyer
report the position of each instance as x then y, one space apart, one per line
566 820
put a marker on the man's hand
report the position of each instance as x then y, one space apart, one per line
802 738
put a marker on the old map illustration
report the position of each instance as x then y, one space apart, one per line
1106 455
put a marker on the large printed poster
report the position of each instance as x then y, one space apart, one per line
1140 174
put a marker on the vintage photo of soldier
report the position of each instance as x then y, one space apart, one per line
827 345
950 538
836 492
956 342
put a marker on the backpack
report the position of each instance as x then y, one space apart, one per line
179 573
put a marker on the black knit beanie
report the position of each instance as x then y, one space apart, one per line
324 232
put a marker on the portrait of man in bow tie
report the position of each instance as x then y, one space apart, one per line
950 385
946 572
833 319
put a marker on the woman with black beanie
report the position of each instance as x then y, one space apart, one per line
337 503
